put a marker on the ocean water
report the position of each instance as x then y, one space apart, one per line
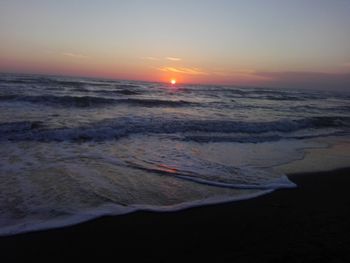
73 149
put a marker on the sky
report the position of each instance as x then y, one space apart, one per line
281 43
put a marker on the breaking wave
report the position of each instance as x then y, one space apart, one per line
196 130
92 101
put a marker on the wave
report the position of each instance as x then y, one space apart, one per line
50 83
257 93
83 101
196 130
220 175
333 109
112 209
43 81
158 103
125 86
92 101
116 92
21 126
276 97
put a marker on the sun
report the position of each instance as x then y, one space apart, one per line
173 81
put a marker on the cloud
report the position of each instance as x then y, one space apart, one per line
74 55
308 80
183 70
346 64
287 79
157 59
173 59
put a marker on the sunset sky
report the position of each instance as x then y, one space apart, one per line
299 43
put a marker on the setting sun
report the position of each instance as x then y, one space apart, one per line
173 81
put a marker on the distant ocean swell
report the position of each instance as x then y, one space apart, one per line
62 82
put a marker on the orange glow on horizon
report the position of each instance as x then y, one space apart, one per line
173 81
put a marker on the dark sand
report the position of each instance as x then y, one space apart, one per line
307 224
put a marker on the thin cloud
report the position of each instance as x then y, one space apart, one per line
183 70
74 55
173 59
309 80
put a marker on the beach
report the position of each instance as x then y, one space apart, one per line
309 223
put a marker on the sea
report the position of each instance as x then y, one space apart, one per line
74 149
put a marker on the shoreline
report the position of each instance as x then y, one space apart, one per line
309 223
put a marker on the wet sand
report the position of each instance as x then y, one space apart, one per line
308 224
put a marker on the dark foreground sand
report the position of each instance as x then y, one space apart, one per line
308 224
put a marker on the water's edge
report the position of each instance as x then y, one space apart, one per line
119 210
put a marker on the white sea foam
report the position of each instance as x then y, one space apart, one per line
108 209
